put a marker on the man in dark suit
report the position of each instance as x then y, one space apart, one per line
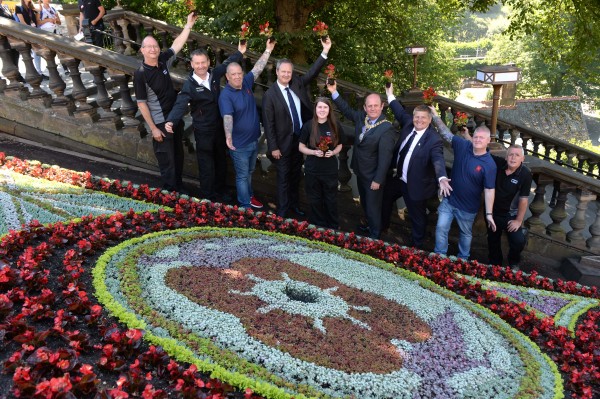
374 140
420 167
201 92
286 107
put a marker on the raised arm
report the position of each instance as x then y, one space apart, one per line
441 126
397 109
262 61
238 56
354 115
315 68
180 40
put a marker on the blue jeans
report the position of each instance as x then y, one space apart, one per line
447 213
244 161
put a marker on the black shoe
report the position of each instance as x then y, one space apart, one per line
298 211
45 77
363 228
20 79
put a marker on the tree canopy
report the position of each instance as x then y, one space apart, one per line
557 42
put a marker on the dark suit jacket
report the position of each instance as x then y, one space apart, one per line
277 120
371 157
426 163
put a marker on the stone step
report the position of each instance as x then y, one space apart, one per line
585 270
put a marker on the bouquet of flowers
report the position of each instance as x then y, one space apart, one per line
429 95
320 29
388 75
244 32
330 72
324 143
266 31
191 6
461 119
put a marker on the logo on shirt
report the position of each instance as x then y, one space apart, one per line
478 168
165 72
514 181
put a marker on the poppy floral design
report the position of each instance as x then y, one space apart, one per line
62 337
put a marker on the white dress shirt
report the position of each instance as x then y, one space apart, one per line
413 145
296 101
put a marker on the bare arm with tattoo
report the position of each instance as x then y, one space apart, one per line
228 126
262 61
441 126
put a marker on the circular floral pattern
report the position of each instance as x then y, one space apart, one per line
463 349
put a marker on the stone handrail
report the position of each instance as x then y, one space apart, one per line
535 142
103 115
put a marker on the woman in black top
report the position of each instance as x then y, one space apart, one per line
320 140
28 16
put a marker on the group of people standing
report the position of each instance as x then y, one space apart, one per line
387 165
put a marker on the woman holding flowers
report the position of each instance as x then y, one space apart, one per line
321 140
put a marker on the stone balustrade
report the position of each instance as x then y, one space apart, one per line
536 143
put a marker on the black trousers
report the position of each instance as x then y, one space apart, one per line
321 192
169 154
371 201
212 162
516 241
289 172
417 210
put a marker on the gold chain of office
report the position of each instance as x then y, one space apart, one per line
368 126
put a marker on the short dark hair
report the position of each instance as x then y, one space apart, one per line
199 51
282 61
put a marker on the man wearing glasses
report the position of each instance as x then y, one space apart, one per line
155 96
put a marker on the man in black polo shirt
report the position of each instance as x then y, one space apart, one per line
513 185
155 96
93 11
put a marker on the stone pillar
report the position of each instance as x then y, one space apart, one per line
538 205
56 84
578 221
593 242
79 92
558 214
9 69
31 75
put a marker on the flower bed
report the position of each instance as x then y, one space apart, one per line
59 340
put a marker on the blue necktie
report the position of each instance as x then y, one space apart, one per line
295 117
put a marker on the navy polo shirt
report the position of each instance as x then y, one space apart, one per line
240 104
470 175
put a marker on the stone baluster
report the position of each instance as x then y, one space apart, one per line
547 150
128 108
56 83
571 153
578 221
593 242
103 100
527 144
538 205
581 161
118 33
592 165
558 213
443 109
514 135
219 56
164 44
31 75
83 110
344 174
536 145
9 69
559 152
148 29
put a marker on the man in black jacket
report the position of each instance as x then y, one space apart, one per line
286 107
201 91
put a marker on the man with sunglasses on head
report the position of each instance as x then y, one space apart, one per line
155 96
